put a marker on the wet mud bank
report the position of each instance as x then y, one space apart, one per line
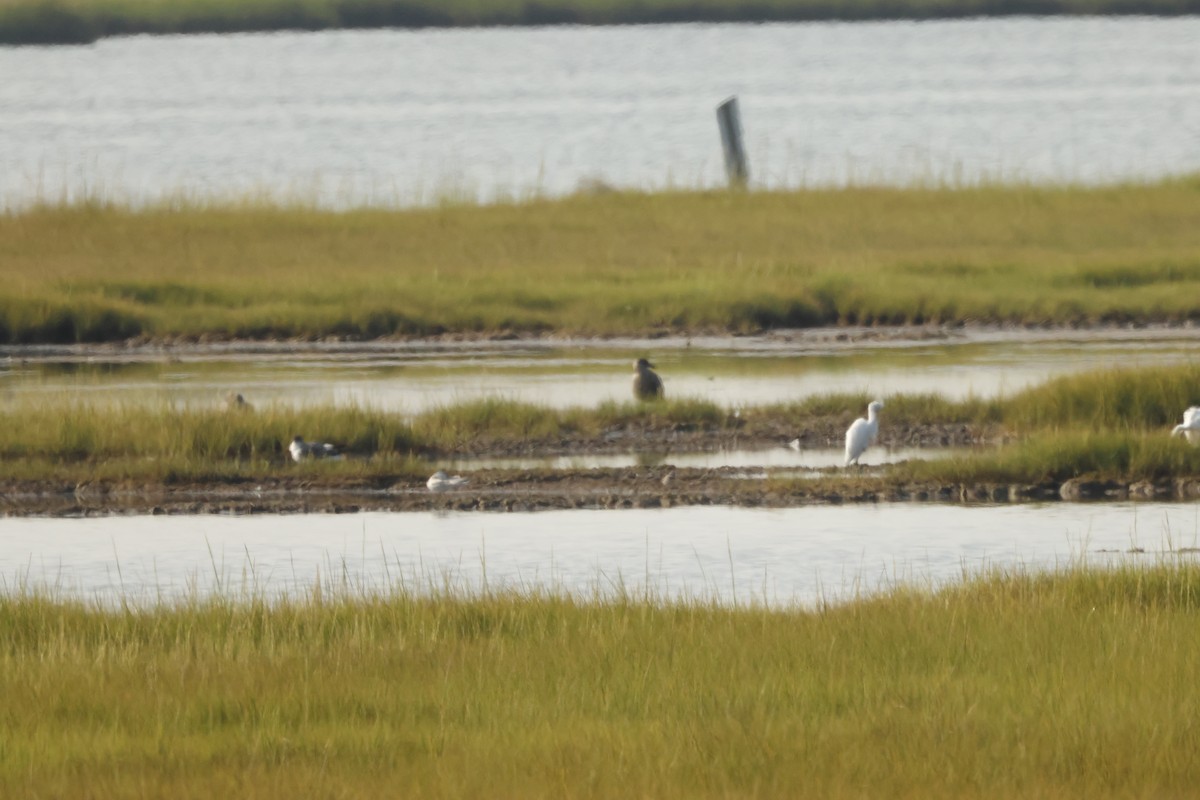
756 433
515 491
512 489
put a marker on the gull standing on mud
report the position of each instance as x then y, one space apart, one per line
440 481
1191 425
862 432
646 383
301 450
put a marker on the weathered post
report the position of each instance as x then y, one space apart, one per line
730 123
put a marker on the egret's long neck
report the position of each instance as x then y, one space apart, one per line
872 414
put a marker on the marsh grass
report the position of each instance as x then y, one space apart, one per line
903 409
1055 455
72 21
1113 399
1078 683
622 263
73 440
78 430
1110 423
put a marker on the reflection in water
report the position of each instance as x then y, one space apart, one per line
744 555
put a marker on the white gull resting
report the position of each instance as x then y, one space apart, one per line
301 450
440 481
861 434
1191 425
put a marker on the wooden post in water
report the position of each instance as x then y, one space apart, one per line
730 123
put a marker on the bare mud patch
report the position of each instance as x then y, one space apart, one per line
537 490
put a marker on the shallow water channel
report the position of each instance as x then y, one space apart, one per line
779 557
411 377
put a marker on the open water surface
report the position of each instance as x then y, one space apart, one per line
344 118
780 557
781 460
733 372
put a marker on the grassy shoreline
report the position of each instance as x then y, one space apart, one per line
1012 684
609 265
1110 425
32 22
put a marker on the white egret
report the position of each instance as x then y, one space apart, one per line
646 383
862 432
1191 425
301 450
440 481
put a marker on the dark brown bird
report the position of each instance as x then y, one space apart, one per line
646 383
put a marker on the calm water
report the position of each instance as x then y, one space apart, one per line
398 117
780 557
781 460
732 372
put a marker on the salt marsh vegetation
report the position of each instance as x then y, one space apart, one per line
614 264
1113 423
1073 683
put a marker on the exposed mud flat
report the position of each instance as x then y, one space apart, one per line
516 490
525 489
658 486
761 434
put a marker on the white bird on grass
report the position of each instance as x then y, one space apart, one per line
646 383
440 481
301 450
862 432
1191 425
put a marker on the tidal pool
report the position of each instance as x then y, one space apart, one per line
411 377
779 459
728 555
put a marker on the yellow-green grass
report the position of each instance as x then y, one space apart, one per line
72 21
70 440
625 263
1113 423
1012 684
1054 456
